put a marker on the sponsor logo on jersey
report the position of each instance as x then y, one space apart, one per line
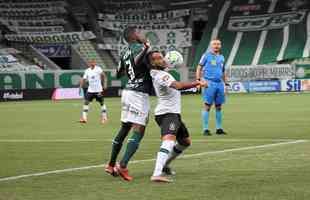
165 78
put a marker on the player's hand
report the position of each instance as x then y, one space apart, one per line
226 90
147 44
204 84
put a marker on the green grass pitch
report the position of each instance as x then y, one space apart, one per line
43 136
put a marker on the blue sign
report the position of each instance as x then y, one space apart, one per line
293 85
58 50
264 86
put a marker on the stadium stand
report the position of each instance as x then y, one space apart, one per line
22 20
281 38
261 32
88 51
10 60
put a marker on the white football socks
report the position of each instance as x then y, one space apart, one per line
85 111
162 156
104 112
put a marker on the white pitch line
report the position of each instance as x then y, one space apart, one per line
98 140
149 160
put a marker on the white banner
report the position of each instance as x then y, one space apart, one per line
266 21
70 37
22 5
29 12
146 25
37 30
48 22
261 72
131 6
162 40
30 18
174 37
142 17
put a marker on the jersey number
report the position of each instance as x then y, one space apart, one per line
131 72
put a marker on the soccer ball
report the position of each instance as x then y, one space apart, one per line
174 58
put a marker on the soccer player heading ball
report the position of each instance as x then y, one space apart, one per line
174 134
96 80
135 101
211 69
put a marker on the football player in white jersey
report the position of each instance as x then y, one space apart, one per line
96 79
175 136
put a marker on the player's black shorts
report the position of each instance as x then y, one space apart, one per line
91 96
171 123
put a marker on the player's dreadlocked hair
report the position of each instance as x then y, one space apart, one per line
128 31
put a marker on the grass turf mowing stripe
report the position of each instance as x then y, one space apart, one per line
148 160
98 140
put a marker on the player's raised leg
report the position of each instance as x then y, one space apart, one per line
183 142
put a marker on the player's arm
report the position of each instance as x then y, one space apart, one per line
140 54
184 85
83 80
82 83
104 81
120 71
225 80
169 81
225 77
199 68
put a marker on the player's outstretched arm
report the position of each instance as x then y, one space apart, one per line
184 85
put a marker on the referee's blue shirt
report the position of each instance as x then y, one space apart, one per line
212 66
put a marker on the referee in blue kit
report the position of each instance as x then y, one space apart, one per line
211 69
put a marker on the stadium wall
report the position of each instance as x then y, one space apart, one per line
291 85
61 84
